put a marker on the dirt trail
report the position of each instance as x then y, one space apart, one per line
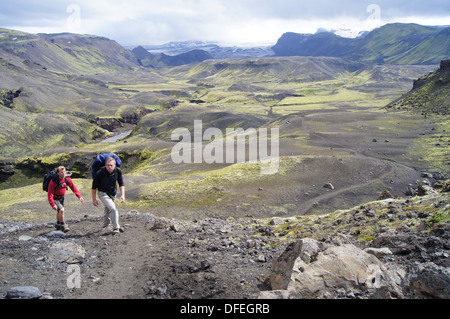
306 206
389 175
153 258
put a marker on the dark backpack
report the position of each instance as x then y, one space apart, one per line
51 176
99 162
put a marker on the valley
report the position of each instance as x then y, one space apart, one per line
333 129
350 133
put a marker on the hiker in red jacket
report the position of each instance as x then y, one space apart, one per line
56 193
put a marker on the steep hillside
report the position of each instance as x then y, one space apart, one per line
67 53
194 56
55 73
26 86
25 133
439 44
430 94
403 44
319 44
146 59
45 75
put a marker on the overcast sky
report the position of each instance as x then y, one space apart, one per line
143 22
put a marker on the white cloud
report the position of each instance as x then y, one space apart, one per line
234 21
437 20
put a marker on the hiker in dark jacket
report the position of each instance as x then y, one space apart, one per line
105 182
56 193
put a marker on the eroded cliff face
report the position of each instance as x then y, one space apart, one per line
430 94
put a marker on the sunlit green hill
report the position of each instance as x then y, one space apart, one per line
396 43
405 44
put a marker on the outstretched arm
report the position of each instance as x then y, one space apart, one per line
122 191
94 197
51 190
75 190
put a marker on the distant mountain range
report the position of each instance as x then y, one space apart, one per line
217 51
76 77
395 43
390 44
148 59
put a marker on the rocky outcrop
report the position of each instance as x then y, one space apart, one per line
328 270
430 94
6 169
390 248
134 116
7 97
397 264
130 116
445 65
110 124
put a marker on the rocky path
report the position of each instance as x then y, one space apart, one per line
153 258
404 245
157 258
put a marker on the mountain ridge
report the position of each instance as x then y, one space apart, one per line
395 43
66 52
148 59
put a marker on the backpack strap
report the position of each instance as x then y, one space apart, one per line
58 182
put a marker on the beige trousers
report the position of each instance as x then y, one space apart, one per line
111 215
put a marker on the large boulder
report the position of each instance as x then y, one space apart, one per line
310 269
305 249
67 252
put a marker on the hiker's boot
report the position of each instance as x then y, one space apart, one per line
65 228
118 230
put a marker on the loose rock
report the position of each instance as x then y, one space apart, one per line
67 252
24 293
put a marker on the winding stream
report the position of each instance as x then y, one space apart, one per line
117 137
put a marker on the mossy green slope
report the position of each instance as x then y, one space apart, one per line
430 94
